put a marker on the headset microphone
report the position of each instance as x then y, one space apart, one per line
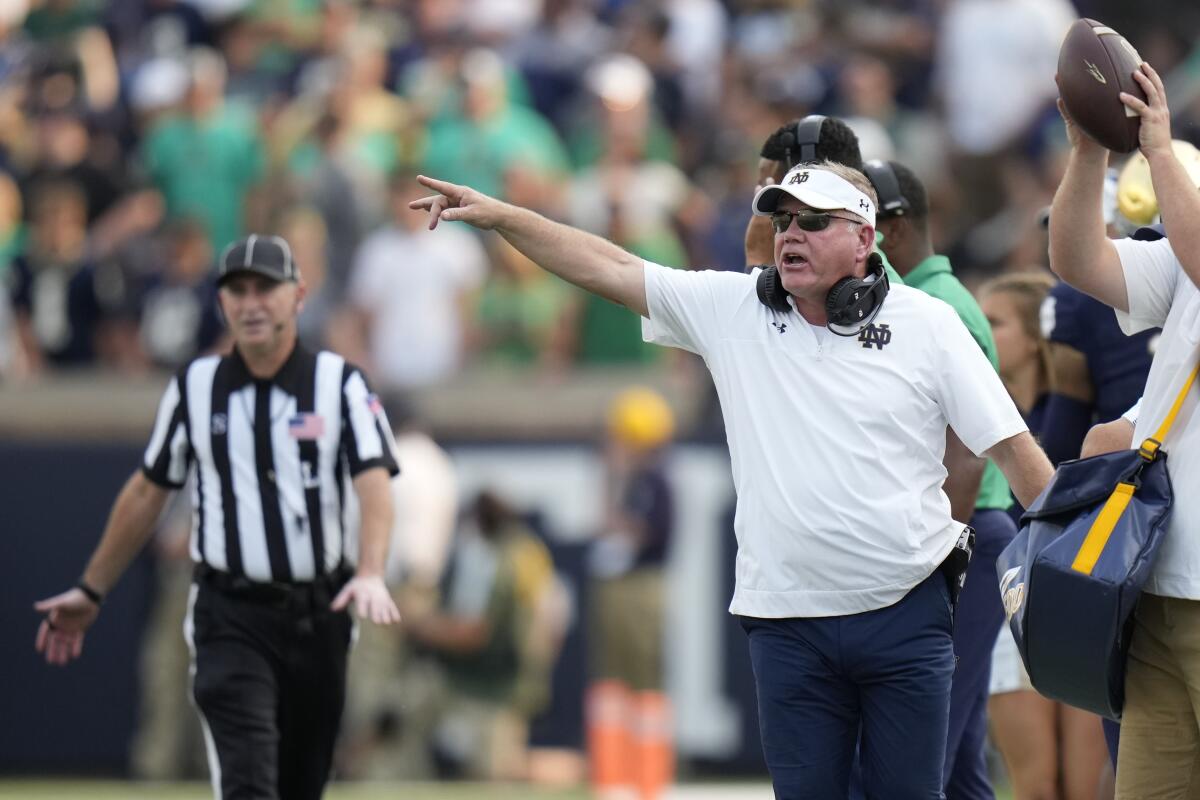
851 305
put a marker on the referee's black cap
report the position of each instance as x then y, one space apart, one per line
269 256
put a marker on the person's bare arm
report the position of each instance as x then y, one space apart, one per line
964 472
591 263
367 589
760 242
1069 406
1108 437
1080 252
101 76
1072 377
71 613
450 634
760 238
1178 200
1024 464
27 344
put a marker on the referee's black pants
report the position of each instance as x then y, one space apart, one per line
269 681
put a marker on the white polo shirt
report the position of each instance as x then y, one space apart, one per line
1162 295
836 443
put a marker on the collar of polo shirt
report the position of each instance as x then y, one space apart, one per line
290 376
817 188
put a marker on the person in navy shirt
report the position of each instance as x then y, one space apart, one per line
1099 371
54 289
178 314
1099 374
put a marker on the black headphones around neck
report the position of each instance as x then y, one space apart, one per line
892 202
801 141
851 304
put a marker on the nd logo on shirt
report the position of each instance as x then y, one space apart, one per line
871 336
875 336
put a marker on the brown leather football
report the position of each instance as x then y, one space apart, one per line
1096 64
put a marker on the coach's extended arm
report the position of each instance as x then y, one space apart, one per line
588 261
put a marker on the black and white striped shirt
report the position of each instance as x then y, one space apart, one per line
274 460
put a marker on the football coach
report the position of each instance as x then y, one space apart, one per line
836 398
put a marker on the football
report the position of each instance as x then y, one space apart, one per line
1096 64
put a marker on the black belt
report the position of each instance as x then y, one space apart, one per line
315 594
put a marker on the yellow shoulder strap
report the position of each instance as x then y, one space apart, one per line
1102 527
1149 448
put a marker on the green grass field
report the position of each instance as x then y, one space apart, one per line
112 790
119 790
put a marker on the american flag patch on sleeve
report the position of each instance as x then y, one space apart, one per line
374 404
306 426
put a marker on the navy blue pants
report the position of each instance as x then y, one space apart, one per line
977 622
887 671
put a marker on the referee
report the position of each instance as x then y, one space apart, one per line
292 461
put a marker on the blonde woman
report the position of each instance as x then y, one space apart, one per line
1051 751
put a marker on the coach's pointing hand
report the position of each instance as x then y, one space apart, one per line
455 202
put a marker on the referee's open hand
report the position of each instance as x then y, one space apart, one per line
371 599
455 202
68 616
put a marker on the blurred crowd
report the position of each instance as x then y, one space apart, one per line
140 137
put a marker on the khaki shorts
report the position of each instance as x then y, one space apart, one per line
627 629
1159 757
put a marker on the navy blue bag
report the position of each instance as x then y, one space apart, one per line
1071 577
1071 619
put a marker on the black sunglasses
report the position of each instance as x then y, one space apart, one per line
810 221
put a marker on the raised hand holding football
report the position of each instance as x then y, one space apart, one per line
1096 64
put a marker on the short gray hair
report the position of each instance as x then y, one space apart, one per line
856 178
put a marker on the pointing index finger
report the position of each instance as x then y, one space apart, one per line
445 187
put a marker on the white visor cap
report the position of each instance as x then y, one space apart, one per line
816 188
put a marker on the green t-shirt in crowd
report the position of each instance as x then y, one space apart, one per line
49 22
609 333
478 153
934 277
518 317
205 168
